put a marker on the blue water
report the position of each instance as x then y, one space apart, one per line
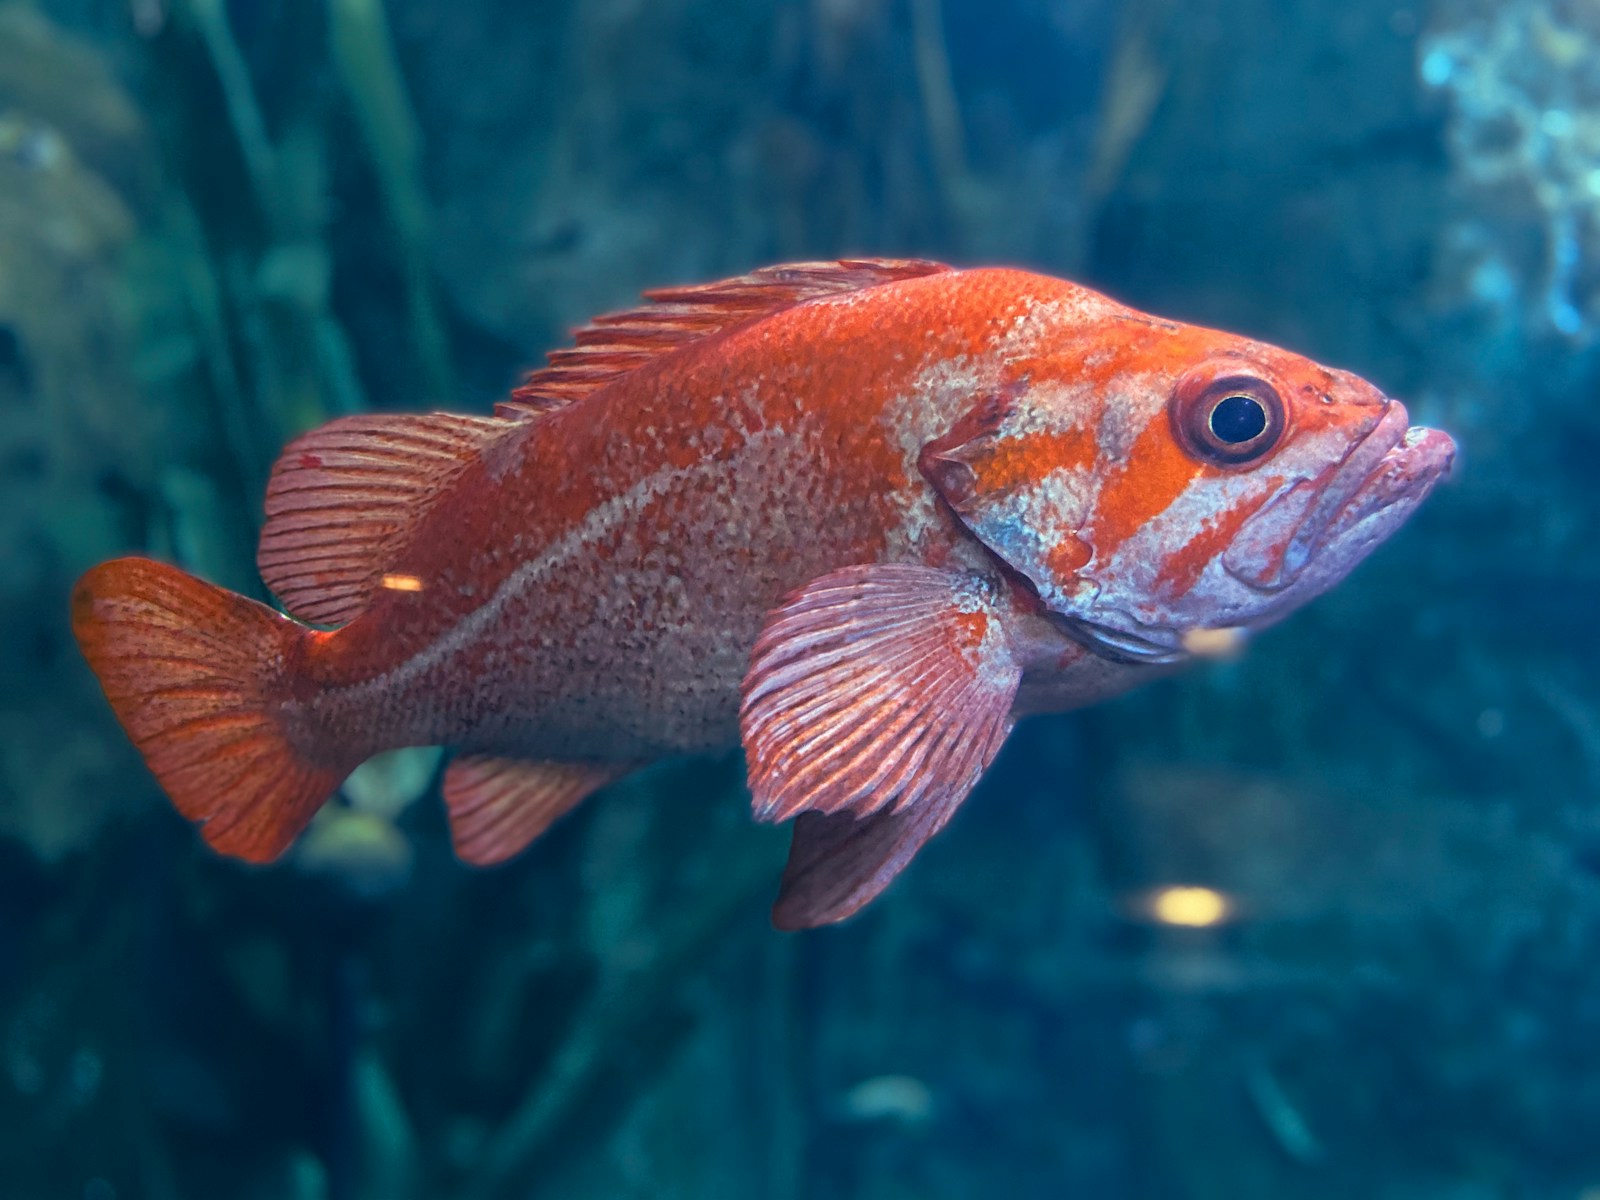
223 223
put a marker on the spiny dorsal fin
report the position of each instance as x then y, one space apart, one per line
342 499
615 344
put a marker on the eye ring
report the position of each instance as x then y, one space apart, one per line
1227 420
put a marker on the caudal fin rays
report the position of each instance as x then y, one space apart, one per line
197 676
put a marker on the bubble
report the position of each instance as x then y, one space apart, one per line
1556 123
1437 67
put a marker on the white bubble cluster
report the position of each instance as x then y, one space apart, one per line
1523 82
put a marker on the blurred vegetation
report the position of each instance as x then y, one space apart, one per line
222 223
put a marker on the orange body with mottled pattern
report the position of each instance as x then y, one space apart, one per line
861 515
629 546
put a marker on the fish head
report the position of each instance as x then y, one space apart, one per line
1154 480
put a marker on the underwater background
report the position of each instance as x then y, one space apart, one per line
222 223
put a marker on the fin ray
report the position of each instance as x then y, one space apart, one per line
615 344
876 697
852 672
838 862
195 675
343 497
498 806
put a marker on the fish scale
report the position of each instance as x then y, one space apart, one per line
857 516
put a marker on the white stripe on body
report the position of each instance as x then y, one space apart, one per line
537 683
409 686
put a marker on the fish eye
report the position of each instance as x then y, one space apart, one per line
1237 418
1228 420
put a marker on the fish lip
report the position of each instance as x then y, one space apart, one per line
1350 480
1384 467
1402 476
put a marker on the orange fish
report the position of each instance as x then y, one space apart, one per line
859 516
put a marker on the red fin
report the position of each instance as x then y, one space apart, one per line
498 806
343 497
837 862
876 687
196 674
617 343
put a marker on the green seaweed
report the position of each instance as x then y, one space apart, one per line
363 54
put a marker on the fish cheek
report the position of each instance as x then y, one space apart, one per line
1026 495
1255 554
1035 530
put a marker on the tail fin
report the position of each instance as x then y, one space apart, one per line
197 675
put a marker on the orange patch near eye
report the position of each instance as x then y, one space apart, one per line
1154 476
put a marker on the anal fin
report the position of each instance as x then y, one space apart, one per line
498 806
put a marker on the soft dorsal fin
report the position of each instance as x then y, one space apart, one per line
342 498
615 344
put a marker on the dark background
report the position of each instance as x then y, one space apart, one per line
222 223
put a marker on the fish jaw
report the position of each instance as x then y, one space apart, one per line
1389 470
1386 494
1297 545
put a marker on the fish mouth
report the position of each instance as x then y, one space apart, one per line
1402 478
1305 540
1372 490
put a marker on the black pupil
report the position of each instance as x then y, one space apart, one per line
1237 419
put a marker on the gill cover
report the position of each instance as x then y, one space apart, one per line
1023 490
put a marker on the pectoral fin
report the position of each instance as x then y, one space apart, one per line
876 697
839 862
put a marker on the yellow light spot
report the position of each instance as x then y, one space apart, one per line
1196 907
1224 644
402 583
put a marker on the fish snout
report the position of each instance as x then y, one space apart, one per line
1403 476
1388 469
1349 478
